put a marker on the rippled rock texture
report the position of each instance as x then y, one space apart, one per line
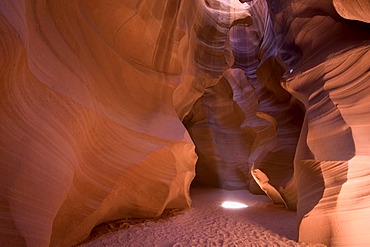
242 118
109 108
328 71
88 128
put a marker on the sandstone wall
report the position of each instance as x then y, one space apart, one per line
88 131
106 105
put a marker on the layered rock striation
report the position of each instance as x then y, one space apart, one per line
108 109
88 129
242 120
328 71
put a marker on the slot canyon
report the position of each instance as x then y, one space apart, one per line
113 109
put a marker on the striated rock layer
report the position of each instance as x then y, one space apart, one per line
243 118
353 10
88 128
328 71
204 100
100 102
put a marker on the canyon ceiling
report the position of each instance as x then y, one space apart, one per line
112 109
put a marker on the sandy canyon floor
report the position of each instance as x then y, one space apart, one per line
207 223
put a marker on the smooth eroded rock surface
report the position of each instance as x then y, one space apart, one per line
89 132
108 110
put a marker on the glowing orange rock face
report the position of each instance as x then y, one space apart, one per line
353 10
94 97
332 159
88 128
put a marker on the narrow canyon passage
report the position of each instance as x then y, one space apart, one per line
115 109
241 118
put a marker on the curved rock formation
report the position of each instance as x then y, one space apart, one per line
246 123
204 100
88 128
329 74
332 158
101 103
353 10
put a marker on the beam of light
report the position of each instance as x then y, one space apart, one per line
233 205
236 4
227 4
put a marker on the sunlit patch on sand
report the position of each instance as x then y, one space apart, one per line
233 205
